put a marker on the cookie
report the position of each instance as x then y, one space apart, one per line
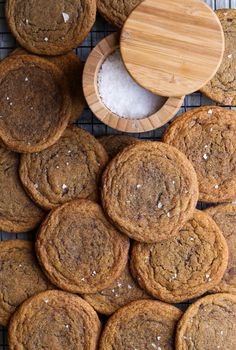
69 169
35 104
209 323
20 276
123 291
142 325
185 266
149 191
17 212
207 136
54 320
72 68
79 250
222 88
225 217
116 11
48 28
114 144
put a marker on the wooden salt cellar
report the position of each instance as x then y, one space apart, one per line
90 76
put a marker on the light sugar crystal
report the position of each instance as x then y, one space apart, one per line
120 93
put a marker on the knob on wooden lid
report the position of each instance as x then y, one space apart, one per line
172 47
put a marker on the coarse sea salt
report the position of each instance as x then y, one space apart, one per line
121 94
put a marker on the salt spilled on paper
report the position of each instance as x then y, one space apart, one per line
121 94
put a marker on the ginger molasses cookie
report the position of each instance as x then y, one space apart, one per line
225 217
222 88
123 291
149 191
72 68
207 136
209 323
116 11
185 266
54 320
17 211
46 27
35 107
69 169
79 250
114 144
20 276
142 325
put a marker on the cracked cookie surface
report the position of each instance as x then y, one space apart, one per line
79 250
116 11
70 169
17 212
114 144
225 217
54 320
149 191
122 292
141 325
207 136
20 276
209 324
35 104
222 88
185 266
49 27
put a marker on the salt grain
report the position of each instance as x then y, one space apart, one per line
230 56
26 79
129 286
159 205
64 187
46 39
205 156
94 273
65 16
121 94
216 187
210 111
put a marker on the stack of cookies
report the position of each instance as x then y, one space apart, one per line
119 236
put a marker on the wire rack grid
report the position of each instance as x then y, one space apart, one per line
88 121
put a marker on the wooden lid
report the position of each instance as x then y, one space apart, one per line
172 47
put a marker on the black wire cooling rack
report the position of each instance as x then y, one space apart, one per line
88 121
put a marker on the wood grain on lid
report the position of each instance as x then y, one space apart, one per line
172 48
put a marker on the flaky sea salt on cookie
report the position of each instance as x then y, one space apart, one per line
142 325
70 169
54 320
208 324
149 191
185 266
122 292
207 136
79 249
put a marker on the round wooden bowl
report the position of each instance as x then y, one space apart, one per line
93 64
